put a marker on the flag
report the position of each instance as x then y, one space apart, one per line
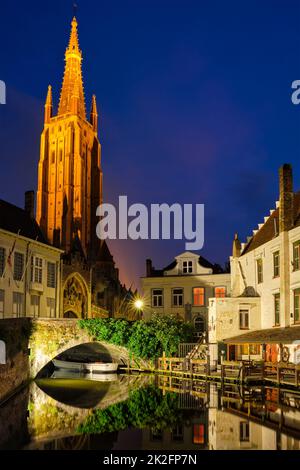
10 254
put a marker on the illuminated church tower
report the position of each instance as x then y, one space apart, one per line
69 172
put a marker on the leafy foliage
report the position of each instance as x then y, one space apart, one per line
146 407
144 339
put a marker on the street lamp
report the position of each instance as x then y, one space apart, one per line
138 305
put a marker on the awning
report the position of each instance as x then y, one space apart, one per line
287 335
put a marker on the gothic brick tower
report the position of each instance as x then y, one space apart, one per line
69 172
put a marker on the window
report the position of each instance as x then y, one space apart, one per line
297 305
18 266
60 155
248 350
50 311
177 297
199 325
2 260
259 266
276 264
187 267
220 292
277 309
198 296
244 319
2 302
156 435
35 305
36 269
296 256
53 156
157 298
51 274
18 304
177 433
198 434
244 431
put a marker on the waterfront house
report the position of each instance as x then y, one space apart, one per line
184 288
30 268
261 319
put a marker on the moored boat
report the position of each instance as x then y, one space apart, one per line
87 367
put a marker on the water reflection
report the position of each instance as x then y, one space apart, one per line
149 412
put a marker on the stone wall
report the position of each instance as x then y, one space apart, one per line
15 334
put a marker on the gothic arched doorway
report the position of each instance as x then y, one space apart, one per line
75 297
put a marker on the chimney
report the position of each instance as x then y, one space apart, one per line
29 203
286 199
149 267
236 249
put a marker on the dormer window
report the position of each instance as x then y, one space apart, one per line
187 267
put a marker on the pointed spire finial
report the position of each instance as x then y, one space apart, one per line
48 105
94 114
72 77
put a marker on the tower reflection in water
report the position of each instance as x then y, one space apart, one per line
149 412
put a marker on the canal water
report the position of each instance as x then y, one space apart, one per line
130 412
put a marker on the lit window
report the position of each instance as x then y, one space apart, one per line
297 305
276 264
177 297
18 266
198 434
296 256
157 298
2 260
244 319
18 304
220 292
244 431
277 309
50 307
50 274
36 269
187 267
259 265
35 305
198 296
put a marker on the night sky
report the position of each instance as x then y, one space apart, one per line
194 101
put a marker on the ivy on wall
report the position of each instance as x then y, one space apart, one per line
144 339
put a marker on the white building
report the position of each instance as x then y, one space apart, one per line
30 269
184 288
262 317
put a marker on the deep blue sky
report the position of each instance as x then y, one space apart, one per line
194 99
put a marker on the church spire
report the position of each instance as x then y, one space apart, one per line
48 106
94 114
72 77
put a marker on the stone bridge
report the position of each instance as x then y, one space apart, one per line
52 337
30 344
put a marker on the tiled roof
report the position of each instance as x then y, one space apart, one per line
285 335
16 220
216 268
270 228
